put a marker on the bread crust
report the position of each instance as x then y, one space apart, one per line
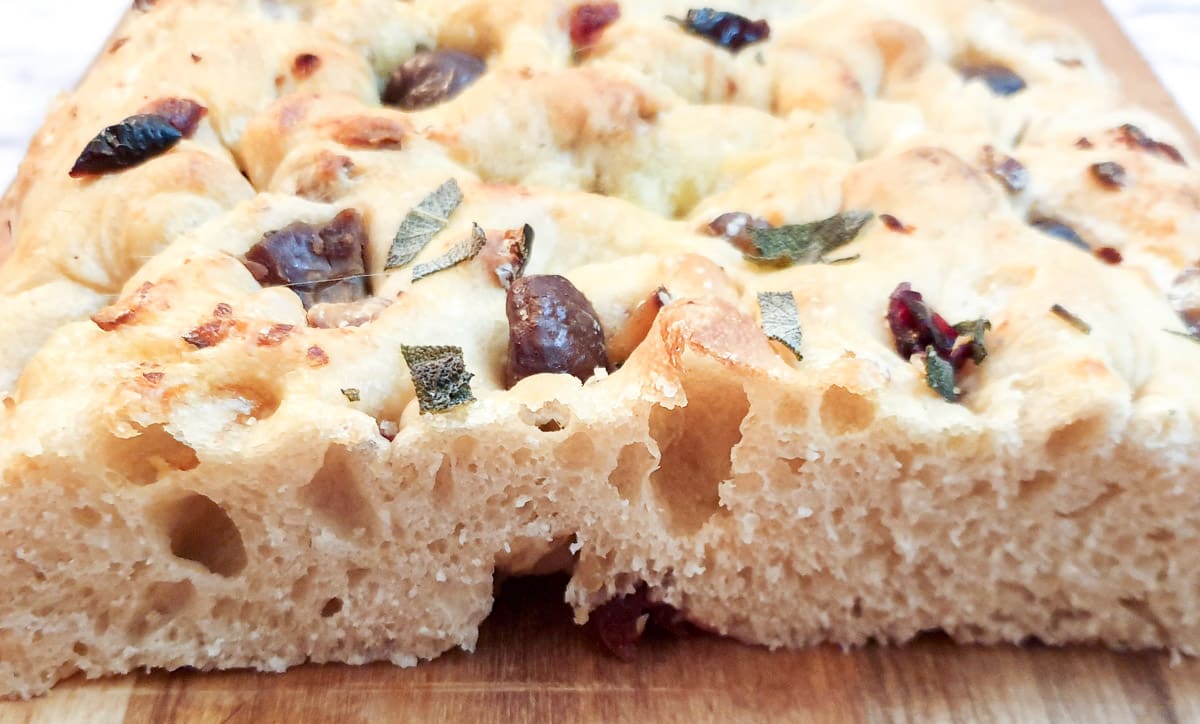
230 504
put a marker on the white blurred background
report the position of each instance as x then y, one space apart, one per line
46 44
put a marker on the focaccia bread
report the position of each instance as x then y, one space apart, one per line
354 307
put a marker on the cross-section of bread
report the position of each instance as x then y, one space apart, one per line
210 463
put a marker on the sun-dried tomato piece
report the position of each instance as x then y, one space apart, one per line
131 142
1109 255
917 329
588 21
916 326
621 622
431 77
182 113
1002 80
305 64
318 263
1110 175
552 327
896 225
727 30
1133 137
735 226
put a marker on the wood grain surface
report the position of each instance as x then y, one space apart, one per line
533 664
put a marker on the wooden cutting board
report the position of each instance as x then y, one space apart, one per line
533 664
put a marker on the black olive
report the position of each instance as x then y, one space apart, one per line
321 264
588 21
1003 80
133 141
430 77
552 327
728 30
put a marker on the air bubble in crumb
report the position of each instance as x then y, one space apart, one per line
804 512
523 501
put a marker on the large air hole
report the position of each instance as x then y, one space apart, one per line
577 452
200 530
304 584
331 607
695 445
844 412
253 400
443 481
1082 435
550 417
152 453
335 496
632 471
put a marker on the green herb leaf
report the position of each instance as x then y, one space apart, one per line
1062 313
1185 335
844 260
351 394
422 223
780 320
439 375
462 251
972 332
806 243
939 375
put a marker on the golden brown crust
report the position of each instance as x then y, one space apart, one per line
260 480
